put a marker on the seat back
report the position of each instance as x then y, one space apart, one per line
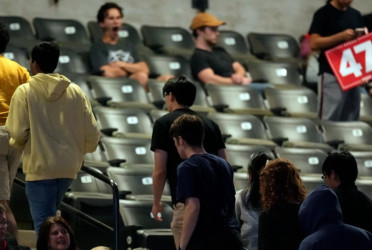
64 30
71 61
125 120
233 42
132 150
235 97
157 38
136 178
307 161
274 72
18 55
241 155
163 65
364 161
295 129
137 212
296 100
20 31
87 183
81 80
271 46
119 89
239 125
356 132
366 107
127 32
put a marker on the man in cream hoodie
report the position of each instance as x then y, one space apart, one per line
51 119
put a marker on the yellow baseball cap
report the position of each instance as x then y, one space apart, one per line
205 19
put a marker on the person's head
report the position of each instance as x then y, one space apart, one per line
187 131
341 4
3 223
339 167
258 162
205 26
4 37
181 90
320 207
44 58
55 234
110 17
280 181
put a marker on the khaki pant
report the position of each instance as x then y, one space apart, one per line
9 162
177 221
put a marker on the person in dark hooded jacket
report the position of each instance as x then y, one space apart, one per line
321 221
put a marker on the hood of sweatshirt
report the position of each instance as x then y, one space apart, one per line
319 208
50 86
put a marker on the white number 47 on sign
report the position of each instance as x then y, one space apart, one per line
348 63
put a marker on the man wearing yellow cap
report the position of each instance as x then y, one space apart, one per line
211 64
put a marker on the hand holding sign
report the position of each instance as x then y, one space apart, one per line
351 62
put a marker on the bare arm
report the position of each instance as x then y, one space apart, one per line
111 70
190 217
133 67
318 42
159 177
208 76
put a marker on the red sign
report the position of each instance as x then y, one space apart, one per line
351 62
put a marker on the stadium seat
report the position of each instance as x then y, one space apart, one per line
352 136
241 180
168 40
242 129
237 99
297 102
71 61
69 33
137 213
135 178
131 150
82 81
167 65
366 108
153 234
18 55
307 161
279 73
296 132
240 156
120 92
364 161
123 122
276 47
20 31
234 43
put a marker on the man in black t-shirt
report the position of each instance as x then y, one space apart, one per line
179 94
211 64
334 24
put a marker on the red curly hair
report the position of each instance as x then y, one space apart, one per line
280 180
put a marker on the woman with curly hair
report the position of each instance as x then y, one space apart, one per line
55 234
282 192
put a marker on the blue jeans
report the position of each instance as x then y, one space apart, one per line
44 196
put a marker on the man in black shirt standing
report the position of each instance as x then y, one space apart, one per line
179 94
334 24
